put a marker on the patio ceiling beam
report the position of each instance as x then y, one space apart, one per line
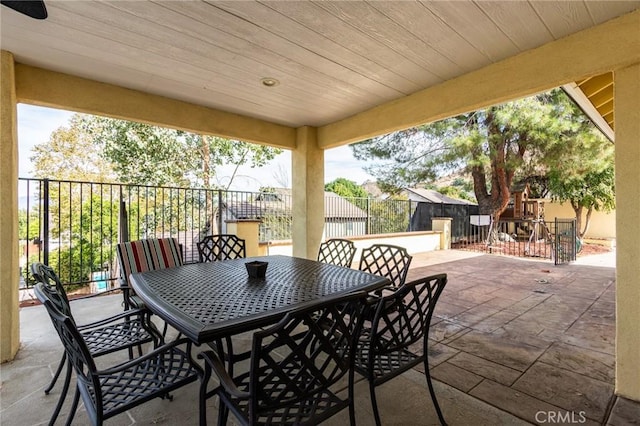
606 47
46 88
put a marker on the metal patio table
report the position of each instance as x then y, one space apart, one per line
207 301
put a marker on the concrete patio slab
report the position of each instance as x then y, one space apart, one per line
512 341
568 390
403 401
624 413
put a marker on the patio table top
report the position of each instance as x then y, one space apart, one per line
206 301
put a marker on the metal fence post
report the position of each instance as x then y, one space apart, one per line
219 211
123 220
368 230
409 227
45 222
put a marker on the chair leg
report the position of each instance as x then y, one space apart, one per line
229 353
63 395
374 403
58 371
203 403
74 406
432 392
223 413
352 408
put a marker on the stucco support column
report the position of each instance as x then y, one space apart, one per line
307 169
9 277
627 128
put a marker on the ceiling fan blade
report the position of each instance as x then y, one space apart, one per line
32 8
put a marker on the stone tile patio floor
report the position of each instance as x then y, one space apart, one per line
513 342
528 336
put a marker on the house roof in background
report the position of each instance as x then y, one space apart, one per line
335 206
431 196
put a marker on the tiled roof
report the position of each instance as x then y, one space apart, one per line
431 196
335 207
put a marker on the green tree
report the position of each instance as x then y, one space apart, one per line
350 190
496 145
455 192
590 187
390 215
28 224
345 188
71 154
150 155
93 148
88 243
141 154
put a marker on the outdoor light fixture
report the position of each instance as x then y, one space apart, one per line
269 82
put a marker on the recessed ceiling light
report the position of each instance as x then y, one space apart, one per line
269 82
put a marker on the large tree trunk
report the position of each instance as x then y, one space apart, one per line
493 201
577 209
212 223
587 222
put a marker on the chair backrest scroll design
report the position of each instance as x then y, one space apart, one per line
289 365
221 247
337 251
388 261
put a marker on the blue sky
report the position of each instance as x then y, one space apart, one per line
35 125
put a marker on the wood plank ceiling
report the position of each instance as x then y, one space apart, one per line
331 59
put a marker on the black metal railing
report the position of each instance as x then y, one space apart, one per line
554 240
75 226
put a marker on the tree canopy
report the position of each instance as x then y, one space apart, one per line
345 188
497 146
141 154
71 154
589 188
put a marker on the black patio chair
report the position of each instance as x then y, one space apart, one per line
295 369
125 331
400 320
108 392
387 261
221 247
217 247
337 251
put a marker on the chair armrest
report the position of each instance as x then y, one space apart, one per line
151 355
388 289
385 292
213 361
126 314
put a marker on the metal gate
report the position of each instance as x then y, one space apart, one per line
566 242
554 240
